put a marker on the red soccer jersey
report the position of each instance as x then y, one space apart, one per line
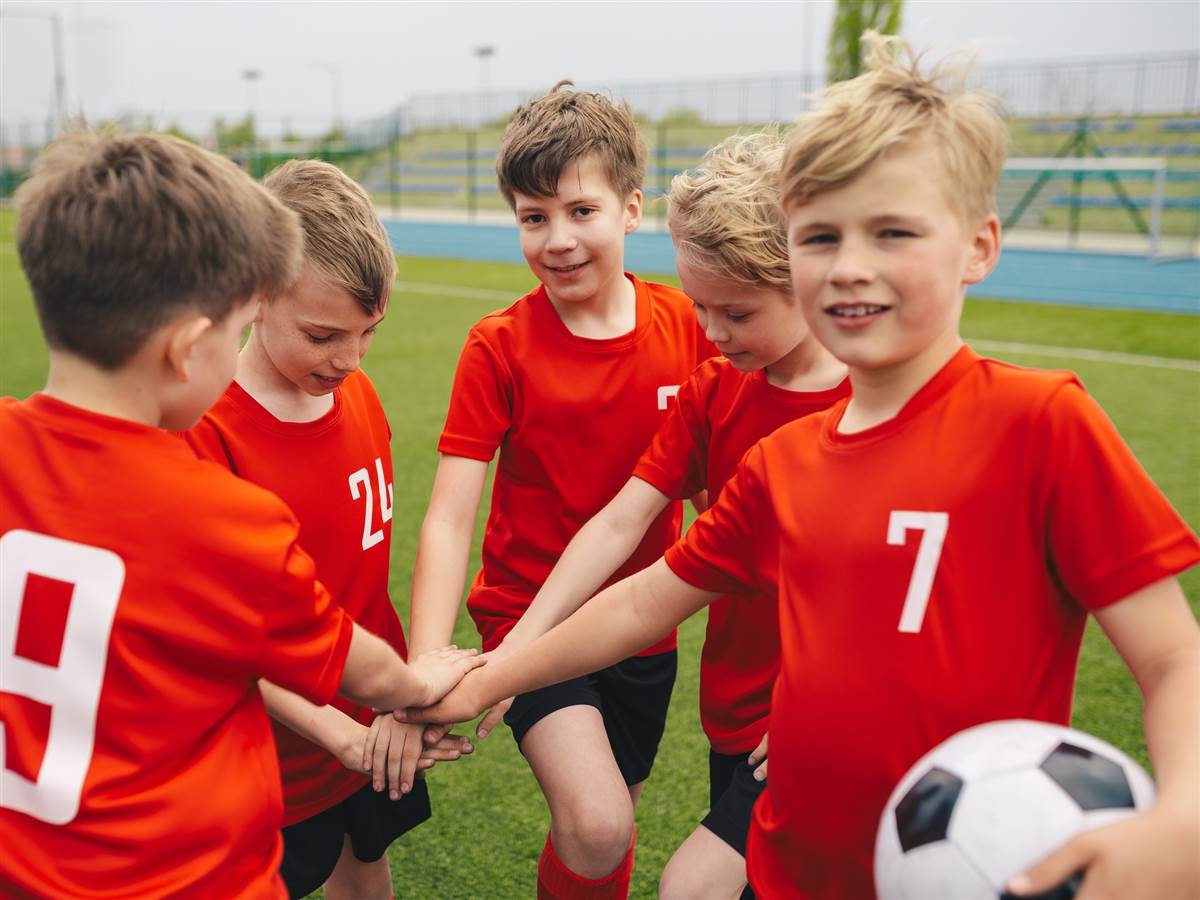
570 417
336 475
719 414
934 572
143 593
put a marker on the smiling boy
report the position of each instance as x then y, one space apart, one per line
569 384
937 540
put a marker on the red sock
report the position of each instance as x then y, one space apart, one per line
557 882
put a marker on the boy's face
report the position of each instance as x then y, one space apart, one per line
575 241
880 265
314 334
752 326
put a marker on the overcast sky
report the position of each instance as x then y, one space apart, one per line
185 60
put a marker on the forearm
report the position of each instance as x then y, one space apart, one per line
439 575
598 549
376 676
1172 726
614 625
323 725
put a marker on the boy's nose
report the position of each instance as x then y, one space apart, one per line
561 238
715 331
851 265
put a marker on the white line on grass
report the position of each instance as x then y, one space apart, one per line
1105 356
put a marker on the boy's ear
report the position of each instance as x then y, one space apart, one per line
633 212
182 339
984 251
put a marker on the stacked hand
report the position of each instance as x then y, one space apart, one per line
394 752
442 669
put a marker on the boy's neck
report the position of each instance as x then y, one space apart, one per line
878 395
260 379
121 394
608 313
807 367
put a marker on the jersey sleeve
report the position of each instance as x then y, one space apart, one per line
481 402
725 550
306 635
676 461
1109 529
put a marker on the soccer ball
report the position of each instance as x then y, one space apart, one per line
990 801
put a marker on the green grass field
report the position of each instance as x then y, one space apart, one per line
489 821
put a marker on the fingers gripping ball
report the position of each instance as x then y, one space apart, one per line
992 800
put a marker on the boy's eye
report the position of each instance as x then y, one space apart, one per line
737 317
533 219
895 233
584 210
821 238
319 338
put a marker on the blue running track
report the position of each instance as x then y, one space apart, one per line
1077 278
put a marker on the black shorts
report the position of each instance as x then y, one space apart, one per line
632 698
371 820
732 791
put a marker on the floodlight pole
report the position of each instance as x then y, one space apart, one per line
335 73
484 52
56 36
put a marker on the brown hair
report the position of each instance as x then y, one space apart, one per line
725 215
343 237
118 235
857 121
545 135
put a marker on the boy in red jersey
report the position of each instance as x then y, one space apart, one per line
302 420
731 254
143 592
937 540
569 383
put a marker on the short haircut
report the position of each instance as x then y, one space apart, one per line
725 215
547 134
343 237
857 121
119 235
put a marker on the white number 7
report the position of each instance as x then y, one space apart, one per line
933 526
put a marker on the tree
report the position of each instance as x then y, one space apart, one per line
845 59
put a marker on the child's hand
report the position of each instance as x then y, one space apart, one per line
442 669
460 705
1150 856
391 753
437 745
349 751
759 755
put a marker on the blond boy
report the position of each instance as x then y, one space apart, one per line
938 539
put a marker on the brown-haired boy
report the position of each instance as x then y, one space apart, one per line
144 592
303 420
937 540
569 384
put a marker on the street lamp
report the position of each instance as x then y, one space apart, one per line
335 74
60 79
484 52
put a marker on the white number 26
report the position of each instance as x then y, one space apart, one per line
933 527
360 486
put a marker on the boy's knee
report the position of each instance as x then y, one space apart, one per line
599 835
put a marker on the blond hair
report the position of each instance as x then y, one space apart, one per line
547 134
857 121
725 215
343 237
120 234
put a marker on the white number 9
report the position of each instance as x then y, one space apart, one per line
72 689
